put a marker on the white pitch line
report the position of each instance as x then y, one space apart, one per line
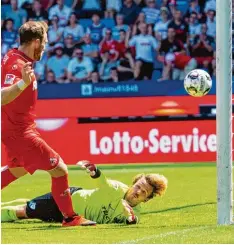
161 235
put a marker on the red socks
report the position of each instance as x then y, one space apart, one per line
7 177
62 196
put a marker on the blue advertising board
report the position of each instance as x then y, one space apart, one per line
110 90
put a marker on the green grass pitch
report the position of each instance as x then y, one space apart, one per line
186 214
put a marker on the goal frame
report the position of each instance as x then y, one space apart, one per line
224 111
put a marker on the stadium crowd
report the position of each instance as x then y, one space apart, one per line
114 40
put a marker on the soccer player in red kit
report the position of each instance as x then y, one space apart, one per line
27 151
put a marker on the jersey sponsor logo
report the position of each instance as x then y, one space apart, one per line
32 205
9 79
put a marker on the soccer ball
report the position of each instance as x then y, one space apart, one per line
197 83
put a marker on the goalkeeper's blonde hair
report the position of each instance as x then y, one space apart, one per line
157 181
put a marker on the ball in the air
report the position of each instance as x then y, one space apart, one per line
197 83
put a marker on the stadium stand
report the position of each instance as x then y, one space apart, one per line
78 29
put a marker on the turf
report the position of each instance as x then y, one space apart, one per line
186 214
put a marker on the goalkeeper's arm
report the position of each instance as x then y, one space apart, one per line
131 218
95 173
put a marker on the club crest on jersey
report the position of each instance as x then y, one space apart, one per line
53 161
9 79
14 67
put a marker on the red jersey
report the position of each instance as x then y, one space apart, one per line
18 115
111 47
121 49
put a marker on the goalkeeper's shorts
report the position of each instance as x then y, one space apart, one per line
45 208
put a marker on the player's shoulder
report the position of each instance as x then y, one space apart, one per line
117 184
13 61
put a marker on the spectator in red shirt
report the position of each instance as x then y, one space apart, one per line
122 43
108 45
124 52
180 26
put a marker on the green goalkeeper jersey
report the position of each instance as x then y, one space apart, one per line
103 204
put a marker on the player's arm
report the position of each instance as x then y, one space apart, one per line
130 215
8 94
95 173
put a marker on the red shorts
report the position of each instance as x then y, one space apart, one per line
200 60
30 151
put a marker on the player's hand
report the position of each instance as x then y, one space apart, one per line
27 73
128 212
89 167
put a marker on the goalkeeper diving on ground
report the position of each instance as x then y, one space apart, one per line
110 202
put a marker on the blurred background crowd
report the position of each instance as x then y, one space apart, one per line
116 40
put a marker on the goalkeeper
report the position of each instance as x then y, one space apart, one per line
111 202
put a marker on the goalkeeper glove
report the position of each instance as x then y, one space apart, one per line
90 167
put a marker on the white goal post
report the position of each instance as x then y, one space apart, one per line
224 111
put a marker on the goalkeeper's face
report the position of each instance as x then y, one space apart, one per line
139 192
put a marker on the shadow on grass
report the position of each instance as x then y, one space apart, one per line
178 208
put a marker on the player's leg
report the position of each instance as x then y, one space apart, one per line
62 196
60 189
42 156
13 213
45 208
14 168
19 201
9 175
